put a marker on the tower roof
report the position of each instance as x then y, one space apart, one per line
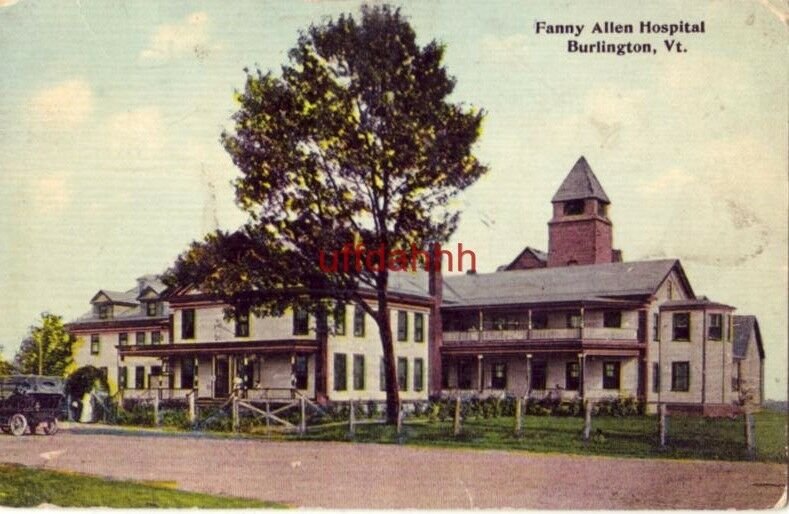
580 183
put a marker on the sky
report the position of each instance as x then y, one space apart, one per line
110 115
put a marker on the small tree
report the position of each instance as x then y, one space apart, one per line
47 350
355 143
6 368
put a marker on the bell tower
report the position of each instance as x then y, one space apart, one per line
580 231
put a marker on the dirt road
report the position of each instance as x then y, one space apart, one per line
342 475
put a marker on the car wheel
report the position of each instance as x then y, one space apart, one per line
50 427
17 424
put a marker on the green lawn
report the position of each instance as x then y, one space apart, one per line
690 437
27 487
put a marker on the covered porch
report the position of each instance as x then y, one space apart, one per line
567 374
255 371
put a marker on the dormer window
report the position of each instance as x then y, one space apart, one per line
573 207
105 311
151 308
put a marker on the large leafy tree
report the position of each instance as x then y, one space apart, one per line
47 350
6 368
356 141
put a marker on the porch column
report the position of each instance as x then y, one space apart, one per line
581 329
528 374
582 375
528 328
293 370
481 321
479 373
195 380
213 375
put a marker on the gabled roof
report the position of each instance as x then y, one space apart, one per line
744 326
125 298
538 254
593 282
580 183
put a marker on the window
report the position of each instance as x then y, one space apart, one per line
139 337
402 373
499 378
681 323
123 338
656 327
139 377
539 320
358 321
539 373
339 319
573 320
715 327
301 371
188 324
402 326
655 377
358 372
464 374
680 376
301 322
419 327
340 372
156 337
611 375
419 374
187 373
151 308
602 209
612 319
122 378
242 322
735 379
382 375
572 376
105 311
573 207
95 345
728 327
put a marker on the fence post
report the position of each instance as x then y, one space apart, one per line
236 420
303 422
587 419
400 420
750 435
192 411
156 409
268 413
70 407
518 416
351 419
663 425
456 428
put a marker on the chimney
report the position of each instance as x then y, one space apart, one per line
435 335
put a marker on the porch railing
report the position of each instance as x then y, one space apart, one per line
542 334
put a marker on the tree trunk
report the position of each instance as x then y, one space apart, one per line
321 359
390 362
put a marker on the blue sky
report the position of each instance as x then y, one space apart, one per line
110 114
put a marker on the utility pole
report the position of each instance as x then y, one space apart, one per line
40 357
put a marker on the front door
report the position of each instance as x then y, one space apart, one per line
222 375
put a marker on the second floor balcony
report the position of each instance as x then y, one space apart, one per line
554 325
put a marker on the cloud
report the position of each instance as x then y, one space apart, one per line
136 134
673 181
7 3
505 48
65 105
171 41
49 194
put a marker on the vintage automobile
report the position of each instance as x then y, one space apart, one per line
31 402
